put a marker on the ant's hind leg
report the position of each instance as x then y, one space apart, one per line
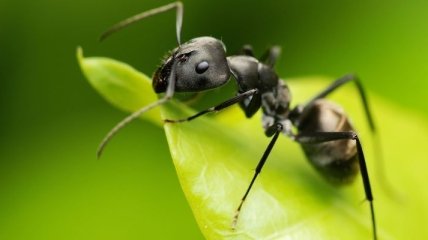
321 137
334 86
305 109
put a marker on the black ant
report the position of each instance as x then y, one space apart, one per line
323 130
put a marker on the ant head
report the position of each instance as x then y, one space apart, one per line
198 64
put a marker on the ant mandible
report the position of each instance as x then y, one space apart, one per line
323 130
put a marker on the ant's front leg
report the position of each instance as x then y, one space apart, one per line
271 56
218 107
247 50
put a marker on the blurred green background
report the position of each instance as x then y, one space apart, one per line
52 186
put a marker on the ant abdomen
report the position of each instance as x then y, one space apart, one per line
336 160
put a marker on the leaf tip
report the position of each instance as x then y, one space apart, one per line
79 54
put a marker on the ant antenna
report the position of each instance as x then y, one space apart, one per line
168 95
171 79
140 16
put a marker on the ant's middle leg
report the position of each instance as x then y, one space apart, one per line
274 131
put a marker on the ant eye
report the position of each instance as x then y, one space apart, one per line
202 67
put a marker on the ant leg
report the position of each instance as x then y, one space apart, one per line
247 50
178 22
271 55
336 84
217 108
320 137
387 186
274 130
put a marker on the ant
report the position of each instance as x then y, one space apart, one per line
323 130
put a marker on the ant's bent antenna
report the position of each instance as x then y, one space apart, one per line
138 17
168 95
171 78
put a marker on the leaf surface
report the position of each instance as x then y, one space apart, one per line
215 157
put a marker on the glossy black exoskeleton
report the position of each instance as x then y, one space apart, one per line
323 130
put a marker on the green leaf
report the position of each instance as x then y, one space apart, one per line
120 84
215 158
